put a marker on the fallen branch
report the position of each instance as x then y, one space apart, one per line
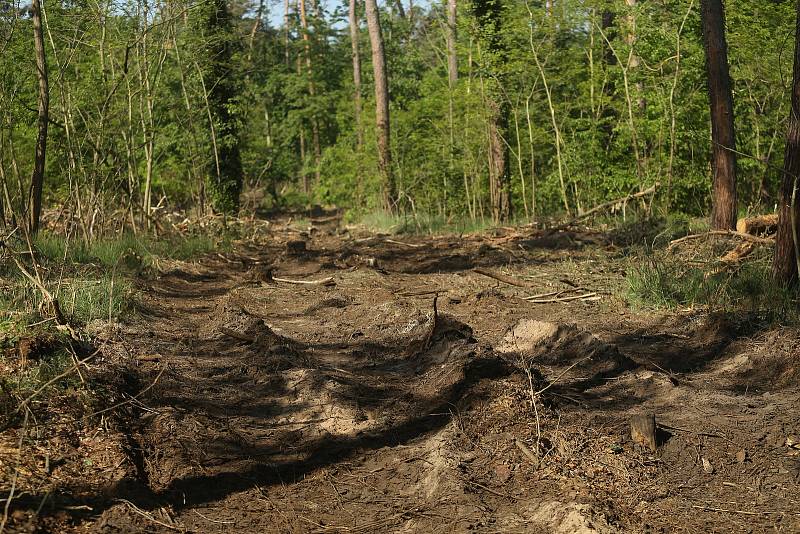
624 200
555 293
527 452
742 512
591 295
412 245
729 233
502 278
149 517
329 281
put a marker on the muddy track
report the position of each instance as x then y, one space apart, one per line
368 406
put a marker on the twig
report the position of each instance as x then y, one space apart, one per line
729 233
527 452
502 278
490 490
214 520
556 293
412 245
329 281
150 517
565 371
75 366
743 512
16 474
128 401
532 300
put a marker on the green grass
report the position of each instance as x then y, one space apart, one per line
668 282
126 250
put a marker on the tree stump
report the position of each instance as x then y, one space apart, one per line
643 431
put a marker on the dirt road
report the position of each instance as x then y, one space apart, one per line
414 394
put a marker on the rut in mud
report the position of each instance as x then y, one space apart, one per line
398 398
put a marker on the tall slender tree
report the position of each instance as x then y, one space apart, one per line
381 105
312 90
723 139
221 83
785 266
356 56
37 178
489 16
452 57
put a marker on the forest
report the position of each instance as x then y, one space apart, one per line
465 265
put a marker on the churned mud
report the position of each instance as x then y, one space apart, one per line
412 393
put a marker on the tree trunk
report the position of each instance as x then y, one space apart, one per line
225 173
381 105
785 263
723 162
37 178
356 73
452 57
315 144
488 14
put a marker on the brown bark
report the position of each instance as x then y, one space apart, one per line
499 180
381 105
315 144
723 162
356 73
452 57
37 178
785 262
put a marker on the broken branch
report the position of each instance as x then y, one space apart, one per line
502 278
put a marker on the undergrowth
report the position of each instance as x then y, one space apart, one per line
666 281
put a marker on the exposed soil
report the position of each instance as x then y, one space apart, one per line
400 398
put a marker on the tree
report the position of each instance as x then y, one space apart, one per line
723 140
381 105
488 14
356 73
221 87
452 57
37 178
785 263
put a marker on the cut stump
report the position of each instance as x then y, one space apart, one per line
643 431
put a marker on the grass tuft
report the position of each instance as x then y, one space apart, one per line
668 282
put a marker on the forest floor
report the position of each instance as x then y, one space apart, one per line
412 393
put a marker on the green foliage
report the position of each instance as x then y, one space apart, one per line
126 251
666 282
150 96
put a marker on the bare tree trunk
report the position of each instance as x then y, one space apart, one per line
787 256
356 73
315 145
37 178
452 57
286 32
488 15
381 105
723 162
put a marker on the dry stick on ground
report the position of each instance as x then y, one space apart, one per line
147 516
329 281
561 299
45 293
502 278
742 512
555 293
730 233
412 245
16 474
